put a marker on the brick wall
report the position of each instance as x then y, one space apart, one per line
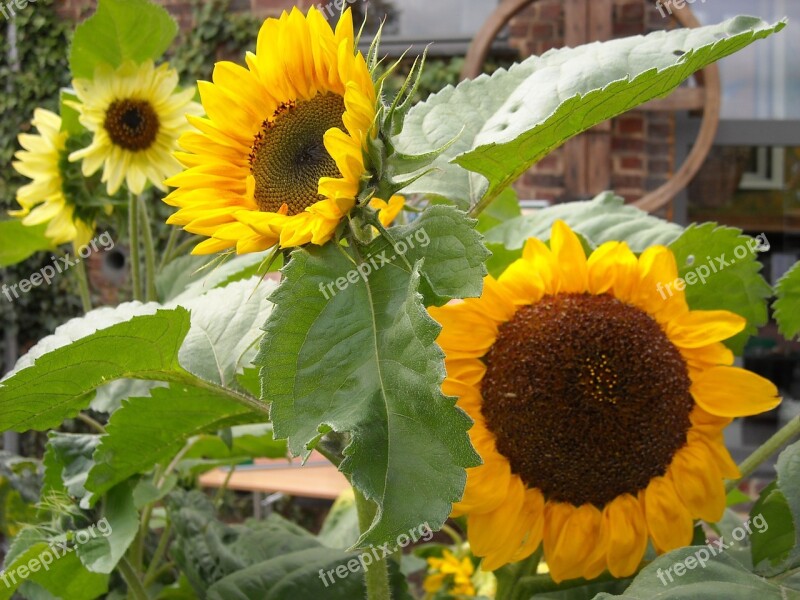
641 142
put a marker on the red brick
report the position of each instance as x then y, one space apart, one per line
630 125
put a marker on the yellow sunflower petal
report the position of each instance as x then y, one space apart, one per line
698 482
626 529
669 522
733 392
569 254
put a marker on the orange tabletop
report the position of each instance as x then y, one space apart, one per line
317 479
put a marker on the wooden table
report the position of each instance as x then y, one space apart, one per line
317 479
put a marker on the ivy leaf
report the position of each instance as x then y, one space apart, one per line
516 117
722 272
18 242
605 218
365 362
146 431
788 293
121 30
58 386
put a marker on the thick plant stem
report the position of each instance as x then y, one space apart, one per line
767 449
83 286
173 239
377 575
149 253
133 233
135 588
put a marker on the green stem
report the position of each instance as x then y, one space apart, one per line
133 232
83 287
509 577
766 450
137 548
454 535
183 248
135 587
149 252
86 419
158 556
377 575
171 241
219 496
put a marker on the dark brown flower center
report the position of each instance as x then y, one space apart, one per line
587 397
132 124
289 156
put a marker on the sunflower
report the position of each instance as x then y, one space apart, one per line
281 155
599 407
43 200
136 115
451 573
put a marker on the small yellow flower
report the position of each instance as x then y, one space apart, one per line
599 407
136 115
43 200
450 574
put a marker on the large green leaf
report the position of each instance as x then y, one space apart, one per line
18 242
722 576
58 386
365 362
59 375
605 218
722 272
786 306
507 122
146 431
64 576
121 30
109 538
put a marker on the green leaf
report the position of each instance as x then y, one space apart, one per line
340 529
147 431
58 386
722 272
68 460
514 118
721 577
503 209
121 30
18 242
65 577
787 303
69 116
365 361
109 538
603 219
445 239
771 544
225 330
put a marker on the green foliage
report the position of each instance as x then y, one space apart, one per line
364 361
271 558
734 283
119 31
787 303
147 431
507 122
217 32
18 242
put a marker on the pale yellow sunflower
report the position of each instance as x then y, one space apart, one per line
136 113
599 407
280 158
450 574
43 199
